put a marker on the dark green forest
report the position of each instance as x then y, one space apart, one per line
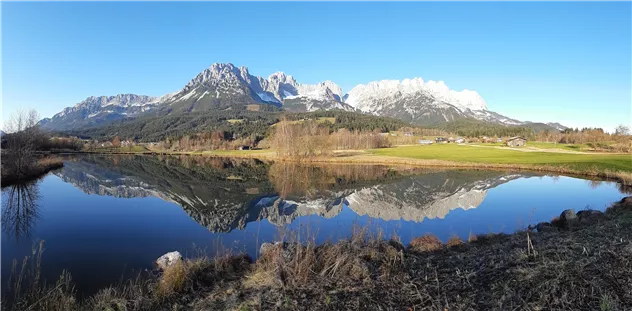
256 125
476 128
234 123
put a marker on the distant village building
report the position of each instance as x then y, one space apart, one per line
441 140
460 140
516 141
106 144
425 142
244 147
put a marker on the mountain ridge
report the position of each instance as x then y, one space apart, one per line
225 86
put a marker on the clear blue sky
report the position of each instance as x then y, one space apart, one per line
544 61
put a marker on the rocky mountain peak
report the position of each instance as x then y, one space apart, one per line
281 77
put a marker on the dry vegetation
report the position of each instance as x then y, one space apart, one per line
594 139
583 267
20 160
307 140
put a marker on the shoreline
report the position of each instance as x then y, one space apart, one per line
43 167
362 157
527 269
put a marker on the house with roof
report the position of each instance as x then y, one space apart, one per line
516 141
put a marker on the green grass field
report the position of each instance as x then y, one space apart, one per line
545 145
451 152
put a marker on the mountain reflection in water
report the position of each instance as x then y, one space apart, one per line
224 194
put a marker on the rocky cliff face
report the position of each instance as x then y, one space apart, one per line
97 110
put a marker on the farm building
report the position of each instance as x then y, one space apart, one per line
516 141
425 142
441 140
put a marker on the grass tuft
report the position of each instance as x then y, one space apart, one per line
426 243
454 241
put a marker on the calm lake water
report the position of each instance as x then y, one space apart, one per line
106 217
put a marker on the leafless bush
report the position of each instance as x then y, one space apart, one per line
22 141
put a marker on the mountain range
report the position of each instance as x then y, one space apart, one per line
224 86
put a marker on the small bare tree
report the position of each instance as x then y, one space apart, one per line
23 137
622 130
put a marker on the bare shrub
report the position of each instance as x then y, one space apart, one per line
426 243
454 241
22 142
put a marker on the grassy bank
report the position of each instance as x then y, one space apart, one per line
581 265
37 169
614 166
609 166
472 154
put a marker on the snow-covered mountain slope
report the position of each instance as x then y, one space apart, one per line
557 126
421 102
363 95
96 110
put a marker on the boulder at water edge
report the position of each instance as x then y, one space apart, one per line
168 259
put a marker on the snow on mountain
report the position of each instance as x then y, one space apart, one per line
421 102
557 126
362 95
96 109
230 85
223 85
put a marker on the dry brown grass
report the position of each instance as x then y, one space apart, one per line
348 261
26 289
426 243
50 161
454 241
35 170
471 237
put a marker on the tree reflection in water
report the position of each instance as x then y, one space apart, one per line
20 209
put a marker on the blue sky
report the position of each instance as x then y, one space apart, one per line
544 61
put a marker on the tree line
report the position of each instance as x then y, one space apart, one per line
476 128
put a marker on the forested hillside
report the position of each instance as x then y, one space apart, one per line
234 124
475 128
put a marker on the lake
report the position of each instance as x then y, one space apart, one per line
106 217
